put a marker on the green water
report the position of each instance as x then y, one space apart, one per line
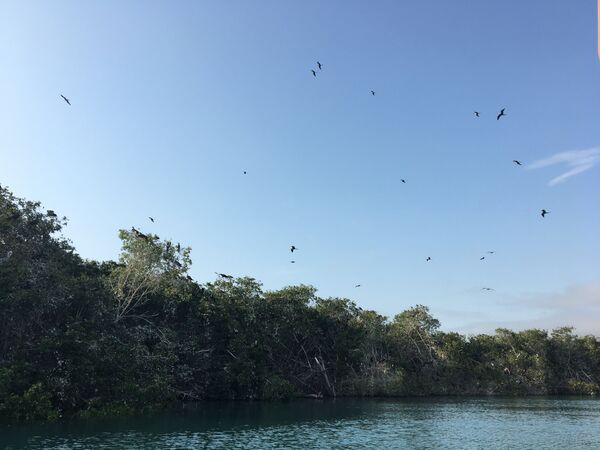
561 423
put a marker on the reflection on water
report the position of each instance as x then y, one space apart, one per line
343 423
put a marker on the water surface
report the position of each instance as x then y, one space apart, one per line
481 423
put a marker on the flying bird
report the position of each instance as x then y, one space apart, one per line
151 219
491 252
544 212
428 258
319 64
292 248
244 172
293 262
476 114
372 92
487 289
482 258
66 99
358 285
518 163
313 72
403 180
224 275
501 114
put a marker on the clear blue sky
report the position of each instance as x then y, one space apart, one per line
172 101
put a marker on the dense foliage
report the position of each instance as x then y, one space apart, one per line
86 338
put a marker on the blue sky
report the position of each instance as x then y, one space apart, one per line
171 102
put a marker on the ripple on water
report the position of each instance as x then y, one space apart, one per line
346 423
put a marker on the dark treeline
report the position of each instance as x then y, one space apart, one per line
87 338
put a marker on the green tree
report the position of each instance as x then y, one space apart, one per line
88 338
146 267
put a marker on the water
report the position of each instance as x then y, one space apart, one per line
478 423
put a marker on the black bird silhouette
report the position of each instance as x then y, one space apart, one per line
428 258
491 252
51 213
482 258
66 99
292 248
244 172
313 72
487 289
372 92
151 219
501 114
544 212
224 275
293 262
403 180
319 64
358 285
139 234
476 114
518 163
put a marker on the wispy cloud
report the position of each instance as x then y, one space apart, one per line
577 161
577 306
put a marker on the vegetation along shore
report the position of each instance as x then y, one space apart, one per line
84 338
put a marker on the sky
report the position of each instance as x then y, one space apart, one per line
172 101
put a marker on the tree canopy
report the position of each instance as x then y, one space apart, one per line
80 337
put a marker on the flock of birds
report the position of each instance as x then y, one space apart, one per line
293 248
501 114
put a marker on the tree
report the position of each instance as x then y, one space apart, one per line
146 267
414 331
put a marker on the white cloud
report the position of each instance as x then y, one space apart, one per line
577 161
577 306
575 296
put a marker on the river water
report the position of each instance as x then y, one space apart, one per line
451 423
